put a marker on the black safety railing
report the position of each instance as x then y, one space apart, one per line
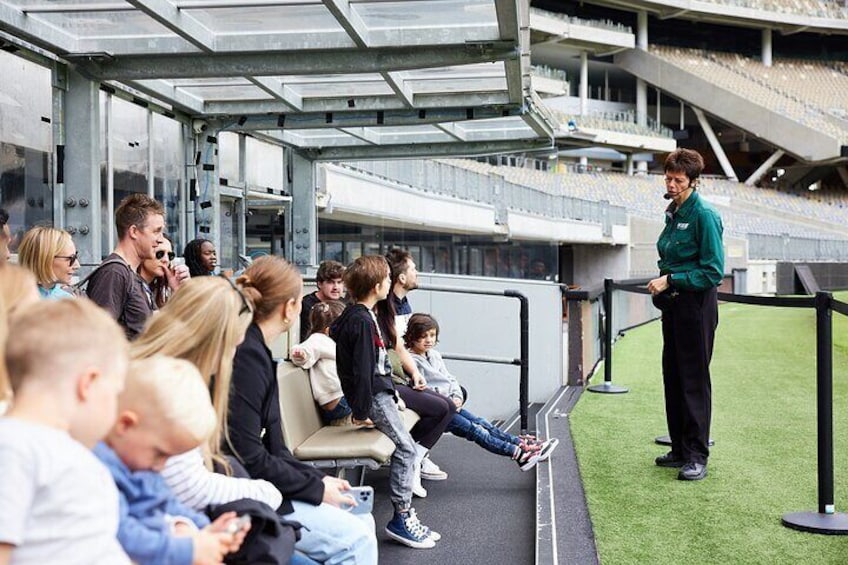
826 520
523 360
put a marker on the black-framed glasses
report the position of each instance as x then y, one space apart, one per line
161 253
71 259
245 305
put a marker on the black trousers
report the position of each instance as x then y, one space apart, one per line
689 321
435 410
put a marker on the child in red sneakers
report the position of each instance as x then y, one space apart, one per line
422 334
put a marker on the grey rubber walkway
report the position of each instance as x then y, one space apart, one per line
485 511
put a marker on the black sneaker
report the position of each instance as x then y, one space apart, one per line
693 471
669 460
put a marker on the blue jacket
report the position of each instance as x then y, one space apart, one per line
145 499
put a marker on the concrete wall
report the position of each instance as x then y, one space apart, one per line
829 276
489 326
762 277
594 263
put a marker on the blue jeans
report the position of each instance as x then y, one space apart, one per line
483 433
341 410
386 418
333 536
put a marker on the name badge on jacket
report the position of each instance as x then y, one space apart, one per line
683 226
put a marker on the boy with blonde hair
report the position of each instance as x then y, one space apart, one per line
66 364
164 411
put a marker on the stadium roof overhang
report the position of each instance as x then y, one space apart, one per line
733 14
366 78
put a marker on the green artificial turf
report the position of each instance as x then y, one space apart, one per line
762 466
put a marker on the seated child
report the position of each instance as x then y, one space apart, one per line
422 334
318 354
365 373
57 502
164 410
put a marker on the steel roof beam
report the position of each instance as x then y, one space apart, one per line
388 118
433 150
178 21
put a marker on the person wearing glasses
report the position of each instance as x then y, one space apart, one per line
52 257
691 267
162 278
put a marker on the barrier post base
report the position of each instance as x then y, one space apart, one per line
608 388
817 523
666 440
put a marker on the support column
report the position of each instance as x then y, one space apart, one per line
304 235
642 30
630 163
763 169
584 83
766 47
79 168
682 116
716 146
207 204
641 102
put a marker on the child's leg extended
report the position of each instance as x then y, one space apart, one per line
469 428
492 429
386 418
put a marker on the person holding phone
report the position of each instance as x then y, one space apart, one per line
161 275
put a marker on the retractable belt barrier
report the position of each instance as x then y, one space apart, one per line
826 520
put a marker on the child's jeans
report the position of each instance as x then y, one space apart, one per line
483 433
387 419
341 410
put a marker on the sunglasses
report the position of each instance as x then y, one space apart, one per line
70 258
161 253
245 305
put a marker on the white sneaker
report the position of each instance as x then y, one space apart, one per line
417 488
431 472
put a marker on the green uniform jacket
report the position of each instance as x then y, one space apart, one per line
690 246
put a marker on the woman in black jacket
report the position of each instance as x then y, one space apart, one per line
330 534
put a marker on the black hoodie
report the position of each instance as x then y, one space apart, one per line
358 347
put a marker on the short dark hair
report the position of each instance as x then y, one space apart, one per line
134 211
323 314
329 270
398 259
4 218
418 325
687 161
364 274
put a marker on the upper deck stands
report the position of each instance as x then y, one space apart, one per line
818 8
787 96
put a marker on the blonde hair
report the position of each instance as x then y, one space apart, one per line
56 339
201 323
15 283
270 281
38 248
172 392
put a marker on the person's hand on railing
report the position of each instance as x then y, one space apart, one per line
658 285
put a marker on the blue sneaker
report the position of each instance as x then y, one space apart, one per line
406 529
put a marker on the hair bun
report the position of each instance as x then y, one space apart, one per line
244 280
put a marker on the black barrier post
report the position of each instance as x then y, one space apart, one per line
826 520
524 382
607 386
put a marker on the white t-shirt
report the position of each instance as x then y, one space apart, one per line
58 503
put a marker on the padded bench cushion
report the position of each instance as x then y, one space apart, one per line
307 437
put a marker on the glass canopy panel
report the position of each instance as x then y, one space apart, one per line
433 13
297 19
466 84
219 93
99 25
341 89
320 138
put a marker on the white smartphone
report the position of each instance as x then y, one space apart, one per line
177 261
364 497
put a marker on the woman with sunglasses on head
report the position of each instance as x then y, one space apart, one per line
160 275
52 257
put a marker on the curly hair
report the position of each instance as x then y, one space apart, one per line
193 260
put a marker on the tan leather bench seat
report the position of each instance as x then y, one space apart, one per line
327 446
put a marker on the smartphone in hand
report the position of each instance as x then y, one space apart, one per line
364 497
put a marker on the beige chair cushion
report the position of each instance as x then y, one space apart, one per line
310 440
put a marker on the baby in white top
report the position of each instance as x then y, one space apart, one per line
318 355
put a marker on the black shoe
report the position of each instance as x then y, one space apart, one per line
669 460
693 471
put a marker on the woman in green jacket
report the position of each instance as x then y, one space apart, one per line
691 268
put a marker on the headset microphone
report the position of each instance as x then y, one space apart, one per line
667 196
